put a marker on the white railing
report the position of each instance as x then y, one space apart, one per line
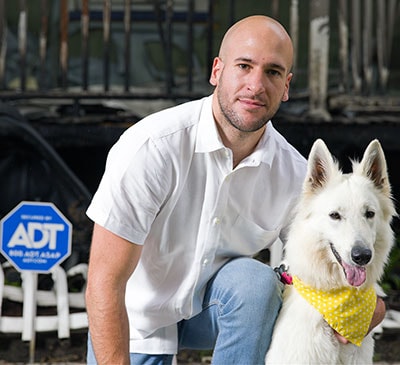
29 323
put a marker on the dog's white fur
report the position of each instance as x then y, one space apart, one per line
342 211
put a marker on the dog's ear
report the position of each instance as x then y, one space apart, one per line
321 166
373 166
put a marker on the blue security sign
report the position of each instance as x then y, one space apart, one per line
35 236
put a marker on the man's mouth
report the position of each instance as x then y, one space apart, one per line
251 102
355 275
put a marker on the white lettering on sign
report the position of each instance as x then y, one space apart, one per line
37 235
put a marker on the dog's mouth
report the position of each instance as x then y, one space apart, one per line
355 275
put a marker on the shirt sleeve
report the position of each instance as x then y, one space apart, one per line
133 188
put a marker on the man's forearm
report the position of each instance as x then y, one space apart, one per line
105 294
109 330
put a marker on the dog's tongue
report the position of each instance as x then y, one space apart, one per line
355 275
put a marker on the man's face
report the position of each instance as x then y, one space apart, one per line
251 79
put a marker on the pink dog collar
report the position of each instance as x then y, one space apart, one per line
283 275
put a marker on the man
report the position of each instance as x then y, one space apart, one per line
189 195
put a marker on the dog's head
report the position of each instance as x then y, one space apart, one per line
341 234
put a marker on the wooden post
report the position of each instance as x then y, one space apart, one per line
22 41
343 45
85 18
127 52
106 40
294 33
190 47
367 45
3 42
44 27
356 45
64 21
319 59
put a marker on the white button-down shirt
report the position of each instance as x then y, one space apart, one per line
169 185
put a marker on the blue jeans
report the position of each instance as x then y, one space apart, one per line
240 306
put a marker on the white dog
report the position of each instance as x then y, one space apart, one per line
337 248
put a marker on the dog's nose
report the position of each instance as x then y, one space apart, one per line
361 255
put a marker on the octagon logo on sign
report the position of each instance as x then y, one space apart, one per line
35 236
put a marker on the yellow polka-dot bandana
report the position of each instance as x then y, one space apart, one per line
348 310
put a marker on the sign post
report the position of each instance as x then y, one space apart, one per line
35 236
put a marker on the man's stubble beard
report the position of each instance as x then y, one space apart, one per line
234 119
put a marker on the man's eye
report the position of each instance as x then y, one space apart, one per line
243 66
273 72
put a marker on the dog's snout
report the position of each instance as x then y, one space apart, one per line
361 255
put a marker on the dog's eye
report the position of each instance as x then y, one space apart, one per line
335 216
369 214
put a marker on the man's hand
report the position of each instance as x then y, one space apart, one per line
378 316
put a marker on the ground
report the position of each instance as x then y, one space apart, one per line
387 349
50 350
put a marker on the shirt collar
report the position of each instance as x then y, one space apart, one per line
265 149
208 139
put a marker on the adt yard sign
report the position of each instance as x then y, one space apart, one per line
35 236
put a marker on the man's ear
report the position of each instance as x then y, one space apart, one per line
285 96
216 71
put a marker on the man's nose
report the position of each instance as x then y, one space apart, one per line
256 82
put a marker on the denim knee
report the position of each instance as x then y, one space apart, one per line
256 291
257 278
247 295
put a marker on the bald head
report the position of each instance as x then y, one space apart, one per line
251 76
258 30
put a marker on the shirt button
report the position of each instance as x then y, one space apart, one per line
205 262
216 221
